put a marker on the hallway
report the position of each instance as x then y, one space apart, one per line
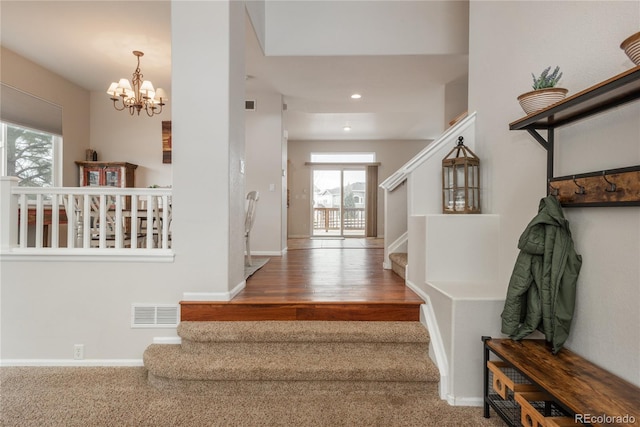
318 279
323 270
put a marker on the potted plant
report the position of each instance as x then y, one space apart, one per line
631 46
544 92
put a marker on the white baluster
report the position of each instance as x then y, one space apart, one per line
86 221
151 202
119 223
55 220
8 213
134 221
24 220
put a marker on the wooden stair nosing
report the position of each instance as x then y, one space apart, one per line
353 311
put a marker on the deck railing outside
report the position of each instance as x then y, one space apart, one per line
329 219
84 220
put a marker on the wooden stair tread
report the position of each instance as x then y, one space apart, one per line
316 310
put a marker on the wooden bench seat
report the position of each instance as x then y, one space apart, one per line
594 395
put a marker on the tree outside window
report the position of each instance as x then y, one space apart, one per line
29 155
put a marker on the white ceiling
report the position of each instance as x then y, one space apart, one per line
90 44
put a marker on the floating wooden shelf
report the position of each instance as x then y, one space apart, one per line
616 91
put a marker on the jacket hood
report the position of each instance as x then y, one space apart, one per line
549 214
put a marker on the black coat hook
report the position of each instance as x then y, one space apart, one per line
581 189
611 188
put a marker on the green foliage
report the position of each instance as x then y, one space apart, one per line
546 80
29 156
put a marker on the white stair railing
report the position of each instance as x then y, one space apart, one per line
423 193
98 220
446 139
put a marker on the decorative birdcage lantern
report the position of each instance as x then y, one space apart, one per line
461 181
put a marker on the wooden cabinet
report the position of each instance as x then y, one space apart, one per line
110 174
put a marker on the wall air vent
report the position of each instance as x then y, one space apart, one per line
250 105
155 315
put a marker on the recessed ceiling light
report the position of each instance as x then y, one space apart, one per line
347 128
356 96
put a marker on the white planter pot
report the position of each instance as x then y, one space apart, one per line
631 47
539 99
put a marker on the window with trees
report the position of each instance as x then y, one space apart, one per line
30 155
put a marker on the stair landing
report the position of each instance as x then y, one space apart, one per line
316 284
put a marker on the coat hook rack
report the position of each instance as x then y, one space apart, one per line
612 186
581 189
609 187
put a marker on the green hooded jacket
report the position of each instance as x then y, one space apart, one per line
542 289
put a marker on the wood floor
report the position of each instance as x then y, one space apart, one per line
318 279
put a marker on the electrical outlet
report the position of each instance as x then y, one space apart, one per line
78 351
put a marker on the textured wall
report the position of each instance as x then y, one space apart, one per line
605 324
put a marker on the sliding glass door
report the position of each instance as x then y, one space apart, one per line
338 203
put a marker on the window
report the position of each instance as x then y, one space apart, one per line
29 154
343 157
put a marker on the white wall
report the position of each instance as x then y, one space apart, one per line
118 136
456 95
264 171
29 77
506 43
47 307
390 27
391 155
256 12
426 179
208 142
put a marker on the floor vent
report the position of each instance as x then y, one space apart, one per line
155 315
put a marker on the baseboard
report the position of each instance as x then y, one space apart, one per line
436 343
268 253
214 296
70 362
386 265
464 401
167 340
298 236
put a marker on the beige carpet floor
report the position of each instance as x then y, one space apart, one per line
57 396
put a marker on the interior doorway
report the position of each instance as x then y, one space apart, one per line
339 202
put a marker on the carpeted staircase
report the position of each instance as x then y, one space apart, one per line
399 262
268 373
277 356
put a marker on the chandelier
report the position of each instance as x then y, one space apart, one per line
138 94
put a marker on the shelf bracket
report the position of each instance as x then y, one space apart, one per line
534 133
547 144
